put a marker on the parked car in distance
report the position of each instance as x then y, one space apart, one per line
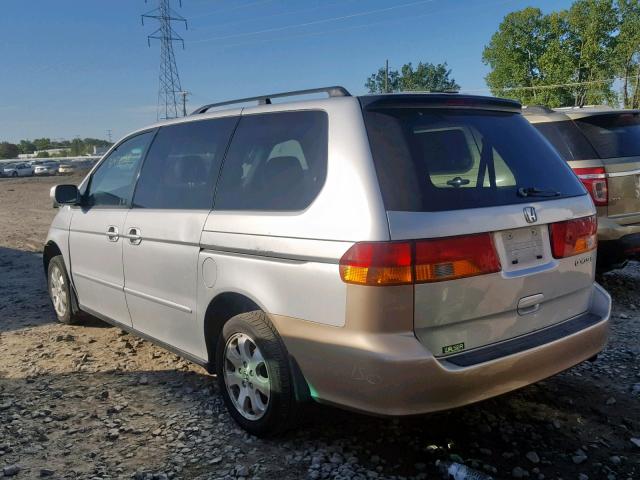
602 146
391 254
17 170
45 168
67 168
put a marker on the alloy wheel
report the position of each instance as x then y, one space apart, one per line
246 376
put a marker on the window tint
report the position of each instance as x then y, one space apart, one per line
183 164
437 159
613 135
276 161
112 182
567 139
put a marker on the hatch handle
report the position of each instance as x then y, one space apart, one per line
530 304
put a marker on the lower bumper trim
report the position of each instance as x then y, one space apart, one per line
524 342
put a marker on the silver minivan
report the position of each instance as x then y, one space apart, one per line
391 254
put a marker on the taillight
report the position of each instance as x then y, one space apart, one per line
378 263
420 261
573 237
595 181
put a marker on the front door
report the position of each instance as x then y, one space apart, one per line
96 233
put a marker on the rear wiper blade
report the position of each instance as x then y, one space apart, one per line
537 192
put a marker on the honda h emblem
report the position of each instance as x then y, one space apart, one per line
530 215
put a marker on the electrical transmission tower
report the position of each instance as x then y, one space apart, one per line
170 88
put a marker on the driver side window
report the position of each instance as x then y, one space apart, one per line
112 183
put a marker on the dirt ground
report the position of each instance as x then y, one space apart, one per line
92 402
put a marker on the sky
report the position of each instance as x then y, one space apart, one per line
82 67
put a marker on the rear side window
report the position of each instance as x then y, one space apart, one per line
276 162
183 164
613 135
567 139
432 160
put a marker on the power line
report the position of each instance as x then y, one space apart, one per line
169 78
261 18
315 22
547 87
344 29
231 9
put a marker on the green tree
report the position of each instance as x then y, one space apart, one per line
42 155
627 51
563 58
42 143
8 150
425 77
514 54
26 146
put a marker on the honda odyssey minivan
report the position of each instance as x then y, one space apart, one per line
390 254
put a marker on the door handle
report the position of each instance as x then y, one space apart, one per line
135 236
112 233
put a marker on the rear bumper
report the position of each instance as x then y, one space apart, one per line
617 252
393 374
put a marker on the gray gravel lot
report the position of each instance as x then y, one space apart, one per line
93 402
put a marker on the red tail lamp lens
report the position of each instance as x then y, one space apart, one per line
595 181
455 257
435 260
574 237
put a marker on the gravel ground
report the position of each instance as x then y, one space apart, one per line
93 402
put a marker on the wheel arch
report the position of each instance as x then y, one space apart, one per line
222 308
227 305
51 249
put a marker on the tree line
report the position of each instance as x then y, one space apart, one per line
73 148
586 54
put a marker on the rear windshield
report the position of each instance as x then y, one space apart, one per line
437 159
613 135
567 139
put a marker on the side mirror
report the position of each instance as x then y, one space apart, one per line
65 195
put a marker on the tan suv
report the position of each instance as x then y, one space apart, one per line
602 146
392 254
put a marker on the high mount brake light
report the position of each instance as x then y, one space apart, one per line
419 261
596 183
574 237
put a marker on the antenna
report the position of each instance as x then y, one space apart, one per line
169 79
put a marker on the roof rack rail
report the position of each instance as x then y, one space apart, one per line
335 91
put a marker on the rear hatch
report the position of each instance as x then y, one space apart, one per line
615 136
489 210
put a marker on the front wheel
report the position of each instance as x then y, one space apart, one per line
14 174
255 376
60 291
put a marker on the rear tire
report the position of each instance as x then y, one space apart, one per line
14 174
60 292
254 375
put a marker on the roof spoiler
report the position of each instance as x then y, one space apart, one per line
335 91
439 100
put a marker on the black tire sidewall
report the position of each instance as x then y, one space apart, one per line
58 261
280 411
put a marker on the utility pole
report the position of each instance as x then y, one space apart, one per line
109 135
169 79
184 94
386 76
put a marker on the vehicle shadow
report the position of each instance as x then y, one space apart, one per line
25 301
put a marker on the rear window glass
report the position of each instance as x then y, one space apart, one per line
437 159
567 139
613 135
